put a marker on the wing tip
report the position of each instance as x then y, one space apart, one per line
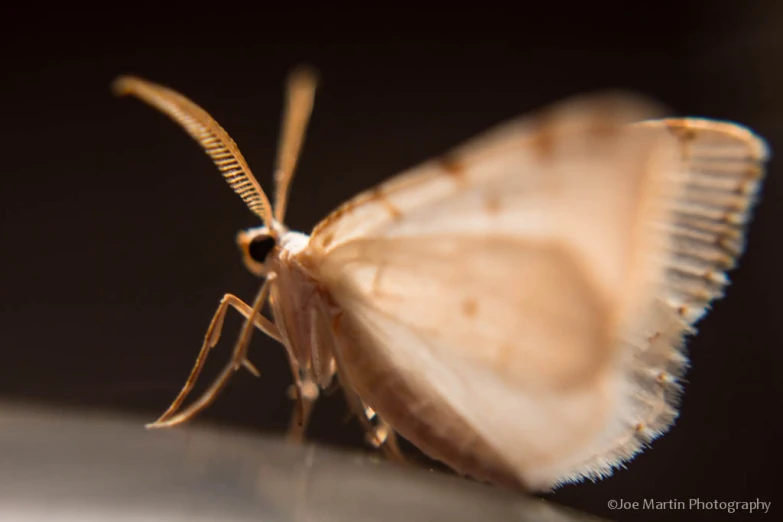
759 148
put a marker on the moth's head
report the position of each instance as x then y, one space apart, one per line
256 244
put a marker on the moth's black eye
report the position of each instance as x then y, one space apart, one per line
260 247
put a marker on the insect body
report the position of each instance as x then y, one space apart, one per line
516 308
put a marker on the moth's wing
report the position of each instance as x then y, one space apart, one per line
722 172
508 279
563 175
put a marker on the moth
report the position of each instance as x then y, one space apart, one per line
516 308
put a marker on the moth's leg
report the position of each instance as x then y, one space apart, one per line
308 381
378 432
391 447
382 436
238 359
305 392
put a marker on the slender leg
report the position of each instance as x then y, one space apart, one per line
305 389
381 435
238 358
305 393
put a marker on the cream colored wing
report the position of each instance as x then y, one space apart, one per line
723 169
722 172
515 282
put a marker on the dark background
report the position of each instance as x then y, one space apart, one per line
118 233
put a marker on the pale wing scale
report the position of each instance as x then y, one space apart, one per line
567 198
458 296
650 390
723 165
724 169
496 184
461 412
384 256
487 158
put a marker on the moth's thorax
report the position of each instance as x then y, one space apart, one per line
293 253
292 243
295 304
